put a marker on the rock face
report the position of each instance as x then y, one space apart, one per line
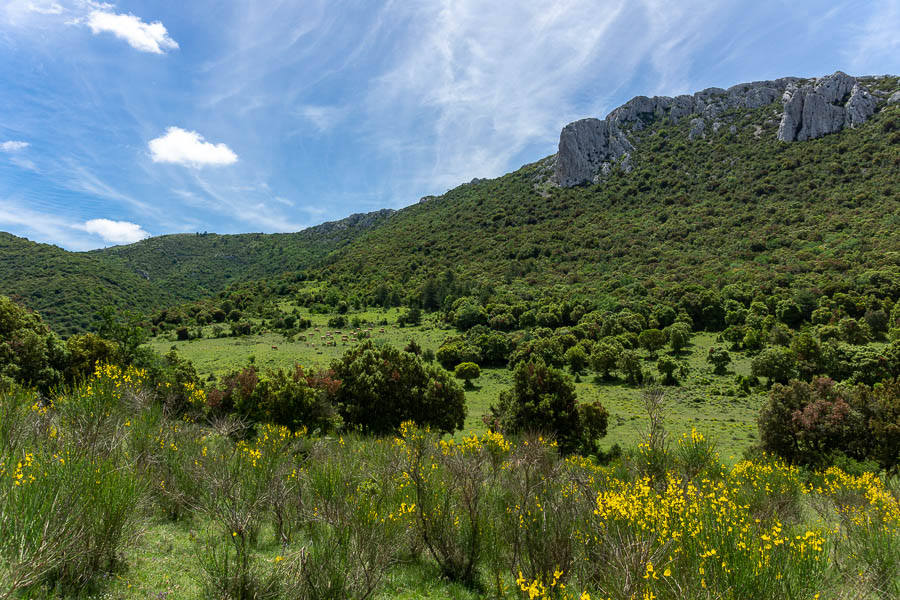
833 102
589 148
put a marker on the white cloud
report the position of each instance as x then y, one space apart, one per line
13 146
116 232
146 37
189 149
480 84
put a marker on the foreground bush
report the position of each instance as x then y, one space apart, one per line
543 399
814 423
275 513
383 387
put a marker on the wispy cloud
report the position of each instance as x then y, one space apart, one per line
323 118
43 227
13 146
482 83
877 41
146 37
45 8
188 148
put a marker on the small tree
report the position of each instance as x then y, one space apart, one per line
467 371
630 365
719 358
652 340
777 364
577 359
679 334
605 356
382 387
667 367
543 398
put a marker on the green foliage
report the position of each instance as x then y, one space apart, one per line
292 399
629 364
719 358
652 340
815 423
778 364
605 356
667 367
456 350
679 334
467 371
543 399
383 387
29 353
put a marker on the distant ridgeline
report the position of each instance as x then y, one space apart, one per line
706 190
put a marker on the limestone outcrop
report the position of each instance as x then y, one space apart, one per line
590 148
814 110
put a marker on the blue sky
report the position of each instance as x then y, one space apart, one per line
123 120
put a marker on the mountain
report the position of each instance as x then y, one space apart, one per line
785 184
666 193
69 288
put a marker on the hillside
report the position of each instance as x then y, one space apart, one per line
733 205
68 288
664 193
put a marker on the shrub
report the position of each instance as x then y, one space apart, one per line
719 358
679 335
630 364
776 364
543 399
605 356
383 387
467 371
652 340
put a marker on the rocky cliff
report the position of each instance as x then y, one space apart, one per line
589 148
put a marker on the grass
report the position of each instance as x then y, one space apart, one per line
284 514
703 399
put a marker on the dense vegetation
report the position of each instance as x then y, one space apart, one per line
97 478
325 478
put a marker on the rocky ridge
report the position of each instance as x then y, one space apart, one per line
590 148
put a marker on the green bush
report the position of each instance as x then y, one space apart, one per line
543 399
383 387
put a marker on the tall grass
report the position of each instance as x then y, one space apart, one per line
287 515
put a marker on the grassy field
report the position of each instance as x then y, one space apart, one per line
703 400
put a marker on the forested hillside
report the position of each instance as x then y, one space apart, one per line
69 288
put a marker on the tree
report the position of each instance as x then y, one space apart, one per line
777 364
630 364
455 350
719 358
30 353
467 371
679 334
667 367
576 358
605 356
289 398
125 329
542 398
652 340
382 387
468 314
811 422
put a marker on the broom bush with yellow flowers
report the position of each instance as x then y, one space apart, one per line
280 513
